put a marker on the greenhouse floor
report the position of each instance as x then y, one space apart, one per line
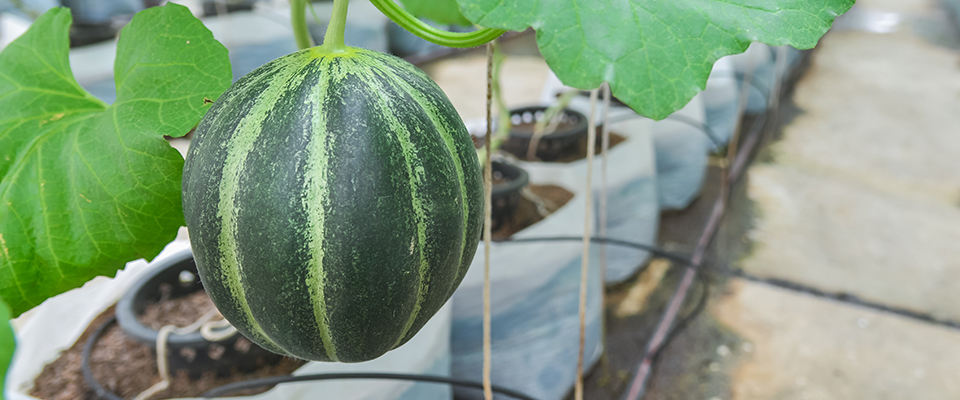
836 272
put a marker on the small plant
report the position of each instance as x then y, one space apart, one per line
86 186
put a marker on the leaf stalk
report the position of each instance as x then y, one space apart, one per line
298 20
449 39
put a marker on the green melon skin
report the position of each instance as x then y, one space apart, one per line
334 203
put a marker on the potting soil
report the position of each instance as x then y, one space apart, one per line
126 367
552 196
181 311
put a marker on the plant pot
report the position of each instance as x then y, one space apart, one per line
211 8
190 352
571 129
54 328
97 21
506 195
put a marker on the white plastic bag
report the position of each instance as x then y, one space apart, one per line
57 323
720 101
681 143
535 285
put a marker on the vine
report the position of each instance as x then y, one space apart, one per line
426 32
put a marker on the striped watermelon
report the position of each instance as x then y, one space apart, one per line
334 203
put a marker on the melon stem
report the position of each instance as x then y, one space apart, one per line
333 39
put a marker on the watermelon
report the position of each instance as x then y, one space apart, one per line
334 203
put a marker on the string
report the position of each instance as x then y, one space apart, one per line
487 224
205 326
585 261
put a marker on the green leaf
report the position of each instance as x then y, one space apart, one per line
656 54
8 343
444 12
86 187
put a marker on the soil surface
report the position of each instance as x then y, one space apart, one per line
181 311
126 367
529 127
578 151
551 197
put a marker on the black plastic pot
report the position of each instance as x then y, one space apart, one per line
190 352
506 196
550 147
96 21
211 8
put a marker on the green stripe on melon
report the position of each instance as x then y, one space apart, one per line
334 203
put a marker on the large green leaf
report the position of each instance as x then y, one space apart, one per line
8 343
445 12
86 187
656 54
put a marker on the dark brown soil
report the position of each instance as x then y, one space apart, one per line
573 152
529 127
553 197
580 151
127 368
181 311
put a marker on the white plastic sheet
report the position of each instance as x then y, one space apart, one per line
762 58
682 148
680 145
57 323
535 285
720 101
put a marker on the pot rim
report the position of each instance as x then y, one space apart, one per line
521 178
579 128
127 316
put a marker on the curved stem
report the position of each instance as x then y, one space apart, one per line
449 39
298 19
333 39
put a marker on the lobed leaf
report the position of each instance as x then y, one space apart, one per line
8 343
656 54
86 186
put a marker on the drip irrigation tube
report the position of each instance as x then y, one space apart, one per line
664 333
222 391
654 352
617 242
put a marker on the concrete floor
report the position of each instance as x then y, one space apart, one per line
859 201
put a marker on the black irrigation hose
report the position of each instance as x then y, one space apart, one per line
677 329
701 278
617 242
254 383
764 91
221 391
702 126
103 393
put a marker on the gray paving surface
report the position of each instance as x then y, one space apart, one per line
857 200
